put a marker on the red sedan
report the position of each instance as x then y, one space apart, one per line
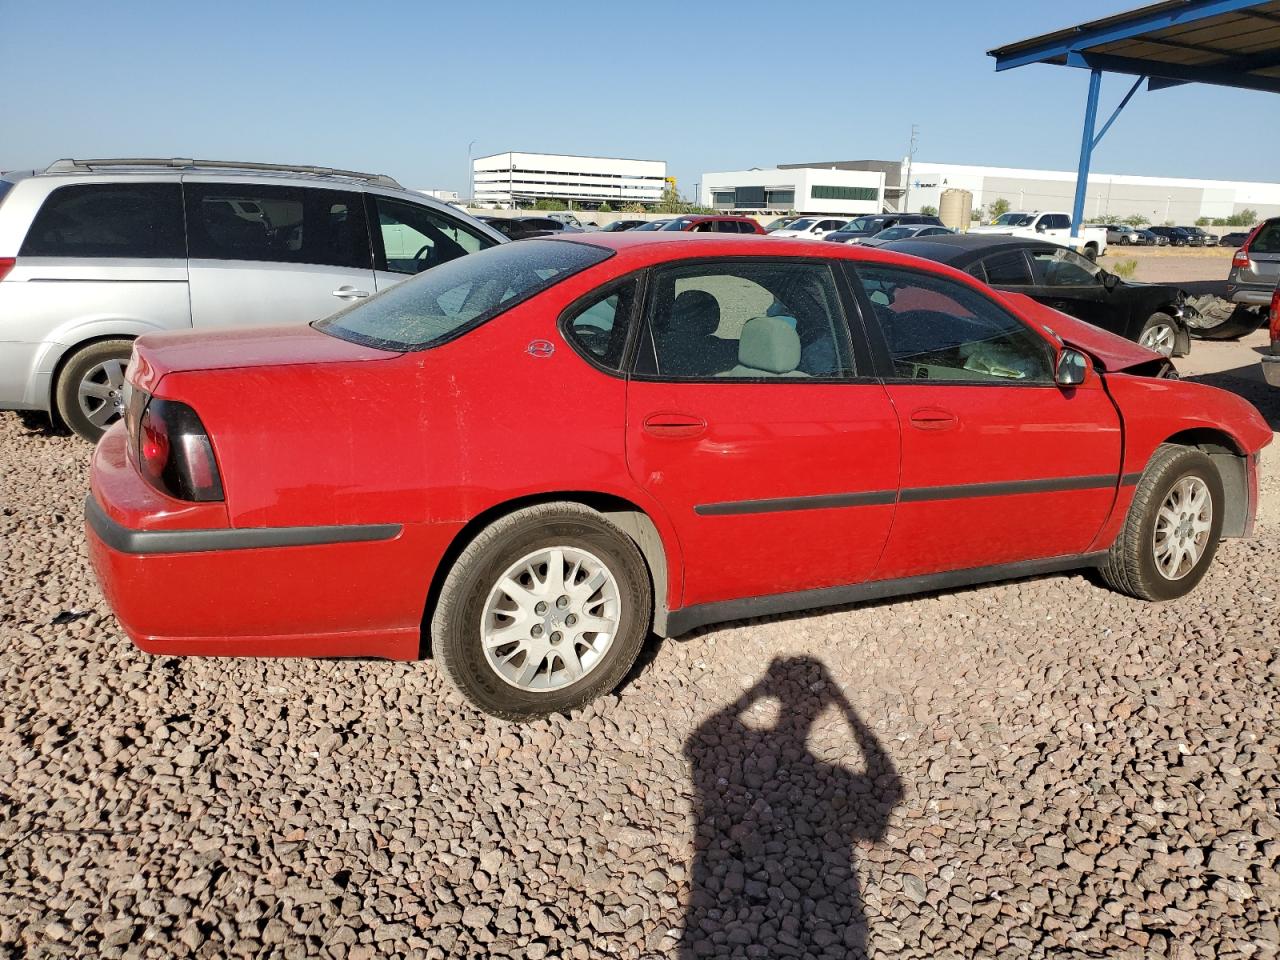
527 459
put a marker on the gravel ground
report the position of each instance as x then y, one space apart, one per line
1034 768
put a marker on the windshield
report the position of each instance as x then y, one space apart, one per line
896 233
5 186
654 225
437 305
1014 220
804 223
862 225
677 224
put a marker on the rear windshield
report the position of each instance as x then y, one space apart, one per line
5 186
1268 238
449 299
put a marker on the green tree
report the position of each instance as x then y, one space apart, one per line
605 208
929 211
1136 220
1245 218
549 203
997 208
634 207
671 201
1203 221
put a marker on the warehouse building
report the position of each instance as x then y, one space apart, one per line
507 179
1109 197
801 189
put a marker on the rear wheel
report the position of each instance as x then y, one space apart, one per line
1172 529
1091 252
1159 333
89 394
543 612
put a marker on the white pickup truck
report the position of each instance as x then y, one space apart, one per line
1053 226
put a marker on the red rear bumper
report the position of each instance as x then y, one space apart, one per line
178 584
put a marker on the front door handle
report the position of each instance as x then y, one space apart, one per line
348 292
933 418
673 425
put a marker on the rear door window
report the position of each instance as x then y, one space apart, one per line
1008 269
277 224
133 220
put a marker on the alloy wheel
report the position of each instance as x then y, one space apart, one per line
1182 528
550 619
101 392
1159 337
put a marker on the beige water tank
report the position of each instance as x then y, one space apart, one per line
955 208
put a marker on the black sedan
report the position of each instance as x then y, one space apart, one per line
523 228
1148 313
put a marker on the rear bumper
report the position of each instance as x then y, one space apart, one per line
334 591
1271 369
1251 293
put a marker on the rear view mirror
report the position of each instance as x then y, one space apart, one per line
1071 368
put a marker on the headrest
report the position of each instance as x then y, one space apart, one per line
769 344
695 313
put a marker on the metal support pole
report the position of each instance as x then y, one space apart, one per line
1086 149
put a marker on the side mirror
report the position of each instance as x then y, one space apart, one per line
1109 280
1040 227
1071 368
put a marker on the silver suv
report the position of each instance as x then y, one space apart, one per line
1255 268
94 253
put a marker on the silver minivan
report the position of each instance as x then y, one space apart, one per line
94 253
1255 268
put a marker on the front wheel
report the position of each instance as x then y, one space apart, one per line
1160 334
543 612
89 394
1172 529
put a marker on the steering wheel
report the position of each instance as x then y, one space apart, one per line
428 249
593 338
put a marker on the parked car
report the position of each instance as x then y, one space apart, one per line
619 225
390 489
1150 314
1196 237
713 224
904 231
94 253
1271 361
568 219
1176 236
1234 239
778 224
652 225
810 228
524 228
865 227
1150 239
1123 234
1050 225
1255 268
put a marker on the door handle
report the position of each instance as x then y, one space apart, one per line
931 418
673 425
348 292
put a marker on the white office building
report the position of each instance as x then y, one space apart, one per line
504 179
802 189
1109 197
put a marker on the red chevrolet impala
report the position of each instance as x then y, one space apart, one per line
526 459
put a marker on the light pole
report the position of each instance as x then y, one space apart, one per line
911 155
471 177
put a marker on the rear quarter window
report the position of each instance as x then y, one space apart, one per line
133 220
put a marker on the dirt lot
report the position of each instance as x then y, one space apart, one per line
1033 768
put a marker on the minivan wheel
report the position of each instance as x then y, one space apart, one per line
544 611
89 394
1172 530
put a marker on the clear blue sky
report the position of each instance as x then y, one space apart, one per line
402 88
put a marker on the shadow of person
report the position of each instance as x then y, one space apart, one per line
773 874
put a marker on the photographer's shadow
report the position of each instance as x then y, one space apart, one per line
773 874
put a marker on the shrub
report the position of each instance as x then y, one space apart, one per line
1125 268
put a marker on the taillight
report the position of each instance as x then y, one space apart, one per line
1240 260
6 264
172 449
1274 321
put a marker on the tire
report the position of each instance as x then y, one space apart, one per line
1125 241
1132 566
99 369
1159 333
1091 253
472 602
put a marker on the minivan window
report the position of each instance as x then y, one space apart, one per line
415 237
135 220
438 305
276 224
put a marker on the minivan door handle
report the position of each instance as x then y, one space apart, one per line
348 292
673 425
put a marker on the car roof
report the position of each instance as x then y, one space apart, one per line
958 248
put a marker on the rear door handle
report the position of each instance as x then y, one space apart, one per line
932 418
673 425
348 292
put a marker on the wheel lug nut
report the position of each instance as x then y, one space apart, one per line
540 608
562 602
556 636
537 630
570 620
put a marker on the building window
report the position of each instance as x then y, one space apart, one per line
780 199
722 198
844 193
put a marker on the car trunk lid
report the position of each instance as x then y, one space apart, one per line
155 355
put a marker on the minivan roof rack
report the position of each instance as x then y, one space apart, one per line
181 163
